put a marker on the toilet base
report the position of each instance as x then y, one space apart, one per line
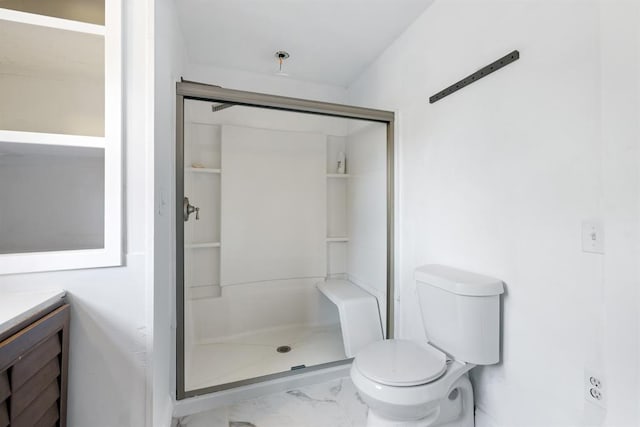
374 420
453 412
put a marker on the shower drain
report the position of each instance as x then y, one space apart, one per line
283 349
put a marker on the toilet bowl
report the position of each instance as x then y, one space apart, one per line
404 383
425 384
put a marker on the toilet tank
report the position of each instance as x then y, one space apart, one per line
460 312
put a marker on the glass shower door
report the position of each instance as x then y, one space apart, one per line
269 211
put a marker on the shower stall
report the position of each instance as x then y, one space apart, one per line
274 196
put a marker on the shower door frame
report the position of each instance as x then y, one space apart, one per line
209 93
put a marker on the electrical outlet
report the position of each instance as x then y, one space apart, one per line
594 390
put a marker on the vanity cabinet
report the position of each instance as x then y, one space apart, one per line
34 357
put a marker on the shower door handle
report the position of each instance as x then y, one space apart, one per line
189 209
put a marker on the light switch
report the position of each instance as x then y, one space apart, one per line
593 236
162 203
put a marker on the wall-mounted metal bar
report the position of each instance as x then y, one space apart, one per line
483 72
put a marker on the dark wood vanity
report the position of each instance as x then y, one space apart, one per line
34 358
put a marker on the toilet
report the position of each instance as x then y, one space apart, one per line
423 384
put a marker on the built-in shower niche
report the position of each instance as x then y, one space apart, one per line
337 219
275 215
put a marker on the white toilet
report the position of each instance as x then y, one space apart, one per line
420 384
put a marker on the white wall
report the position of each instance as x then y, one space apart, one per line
620 113
108 355
367 209
497 179
254 82
169 60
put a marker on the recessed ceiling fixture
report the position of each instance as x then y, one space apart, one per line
281 56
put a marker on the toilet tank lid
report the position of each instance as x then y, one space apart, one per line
459 282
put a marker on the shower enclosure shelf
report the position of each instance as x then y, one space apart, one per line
203 170
338 175
337 239
202 245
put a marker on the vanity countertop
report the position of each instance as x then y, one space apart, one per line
18 307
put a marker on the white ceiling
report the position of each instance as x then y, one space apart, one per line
330 41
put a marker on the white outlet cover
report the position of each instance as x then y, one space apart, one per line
588 374
593 236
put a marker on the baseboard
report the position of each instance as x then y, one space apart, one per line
165 417
484 420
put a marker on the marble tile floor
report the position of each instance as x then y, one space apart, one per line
253 355
331 404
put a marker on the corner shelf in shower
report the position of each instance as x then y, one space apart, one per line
202 245
203 170
337 239
338 175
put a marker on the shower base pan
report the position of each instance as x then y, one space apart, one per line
259 353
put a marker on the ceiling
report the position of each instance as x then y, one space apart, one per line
330 41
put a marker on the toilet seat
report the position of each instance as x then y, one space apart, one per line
401 363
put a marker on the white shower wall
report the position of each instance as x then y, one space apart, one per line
203 136
273 205
260 306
